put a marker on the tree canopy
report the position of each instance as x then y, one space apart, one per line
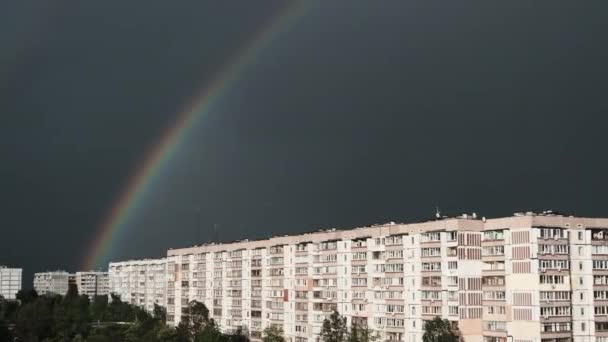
74 318
439 330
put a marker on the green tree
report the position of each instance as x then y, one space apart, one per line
210 333
359 333
160 313
198 316
99 307
34 321
239 336
26 297
273 334
334 329
439 330
183 331
71 316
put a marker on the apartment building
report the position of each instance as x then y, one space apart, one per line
10 282
92 283
51 283
525 278
139 282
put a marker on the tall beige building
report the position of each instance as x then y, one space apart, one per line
526 278
140 282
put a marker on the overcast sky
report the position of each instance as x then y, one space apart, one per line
360 112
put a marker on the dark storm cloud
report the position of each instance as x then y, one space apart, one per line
361 113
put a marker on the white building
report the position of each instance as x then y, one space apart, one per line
10 282
49 283
139 282
92 283
525 278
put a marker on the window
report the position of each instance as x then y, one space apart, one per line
554 295
430 266
495 325
494 295
432 236
493 250
555 311
394 240
554 264
601 310
431 252
600 264
552 233
452 235
430 295
493 235
551 279
394 254
495 310
359 256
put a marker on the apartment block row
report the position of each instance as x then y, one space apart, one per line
10 282
140 282
526 278
90 283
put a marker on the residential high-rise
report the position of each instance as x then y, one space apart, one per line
10 282
49 283
526 278
92 283
139 282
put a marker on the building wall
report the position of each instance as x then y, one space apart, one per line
139 282
526 278
48 283
10 282
92 284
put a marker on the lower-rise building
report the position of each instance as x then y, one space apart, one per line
51 283
92 283
10 282
139 282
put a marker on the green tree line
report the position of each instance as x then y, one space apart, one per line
74 318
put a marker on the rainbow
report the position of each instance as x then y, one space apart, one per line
159 156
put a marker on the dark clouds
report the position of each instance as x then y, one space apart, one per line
360 113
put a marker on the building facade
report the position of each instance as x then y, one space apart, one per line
50 283
10 282
139 282
92 283
526 278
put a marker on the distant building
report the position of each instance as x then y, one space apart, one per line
139 282
10 282
72 280
92 283
51 283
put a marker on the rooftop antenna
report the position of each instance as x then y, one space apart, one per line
437 212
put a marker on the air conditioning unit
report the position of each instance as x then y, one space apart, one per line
553 287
